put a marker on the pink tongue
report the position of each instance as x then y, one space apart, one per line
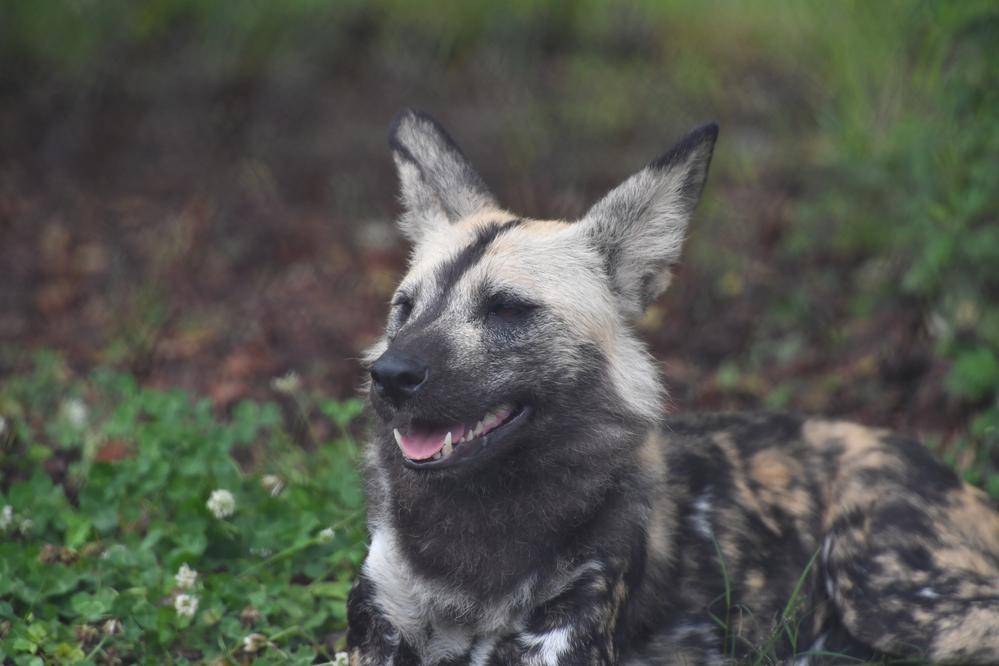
422 443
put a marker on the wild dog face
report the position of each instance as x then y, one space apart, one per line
511 337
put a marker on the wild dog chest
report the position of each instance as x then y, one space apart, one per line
437 623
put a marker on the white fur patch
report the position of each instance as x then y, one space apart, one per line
690 629
482 651
827 544
396 592
701 518
550 645
929 593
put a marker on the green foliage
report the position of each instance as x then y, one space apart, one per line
912 176
108 486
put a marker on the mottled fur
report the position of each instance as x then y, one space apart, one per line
602 532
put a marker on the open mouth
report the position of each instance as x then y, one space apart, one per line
426 445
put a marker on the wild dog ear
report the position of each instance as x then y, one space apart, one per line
639 226
438 184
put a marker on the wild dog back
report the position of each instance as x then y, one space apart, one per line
853 538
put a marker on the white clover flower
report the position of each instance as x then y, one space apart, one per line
186 605
76 413
326 535
6 517
112 627
221 503
253 642
26 525
186 577
341 659
272 483
287 384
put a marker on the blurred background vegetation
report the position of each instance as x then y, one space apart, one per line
199 194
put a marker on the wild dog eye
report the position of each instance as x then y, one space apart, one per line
508 309
402 306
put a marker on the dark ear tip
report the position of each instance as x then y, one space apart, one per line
702 135
404 116
708 131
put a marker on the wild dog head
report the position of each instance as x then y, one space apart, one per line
510 339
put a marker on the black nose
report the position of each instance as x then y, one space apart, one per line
397 377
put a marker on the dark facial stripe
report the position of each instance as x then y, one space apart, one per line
448 273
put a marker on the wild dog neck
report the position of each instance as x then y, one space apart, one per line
485 529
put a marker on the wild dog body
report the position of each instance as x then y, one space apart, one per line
529 504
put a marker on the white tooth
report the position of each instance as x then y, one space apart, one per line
448 448
447 438
437 456
478 429
398 437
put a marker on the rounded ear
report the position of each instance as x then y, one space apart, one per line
438 185
640 225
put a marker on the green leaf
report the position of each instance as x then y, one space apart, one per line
25 645
975 374
78 532
37 632
92 607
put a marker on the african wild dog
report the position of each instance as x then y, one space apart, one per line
529 503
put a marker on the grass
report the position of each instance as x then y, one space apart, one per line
109 500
